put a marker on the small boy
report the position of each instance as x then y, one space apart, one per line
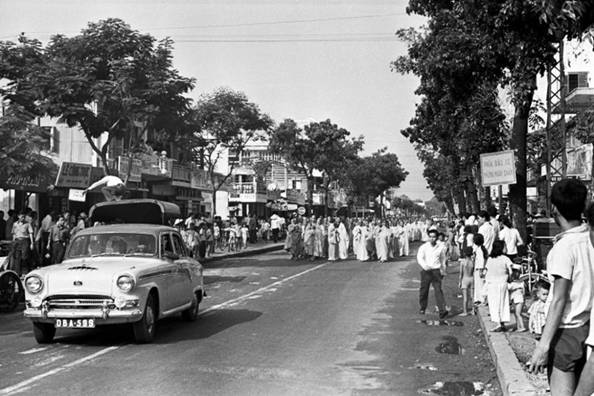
466 282
538 309
516 296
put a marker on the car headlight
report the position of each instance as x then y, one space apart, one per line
125 283
34 284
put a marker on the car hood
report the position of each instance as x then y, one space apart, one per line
92 275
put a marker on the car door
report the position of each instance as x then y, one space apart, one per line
183 279
169 275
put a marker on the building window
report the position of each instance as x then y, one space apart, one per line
296 184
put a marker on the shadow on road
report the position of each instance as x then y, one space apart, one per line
222 279
169 330
274 259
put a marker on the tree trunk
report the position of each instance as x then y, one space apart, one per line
517 192
487 201
460 200
214 203
449 203
309 202
471 194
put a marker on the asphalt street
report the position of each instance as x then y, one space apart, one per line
270 326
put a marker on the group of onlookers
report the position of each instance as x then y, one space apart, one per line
37 243
560 314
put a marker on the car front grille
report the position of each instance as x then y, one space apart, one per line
79 302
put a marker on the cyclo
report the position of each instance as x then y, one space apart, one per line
11 287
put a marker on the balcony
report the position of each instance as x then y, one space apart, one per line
248 192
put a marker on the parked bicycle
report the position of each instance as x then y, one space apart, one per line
11 287
530 274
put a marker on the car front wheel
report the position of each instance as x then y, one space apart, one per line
44 332
144 329
191 314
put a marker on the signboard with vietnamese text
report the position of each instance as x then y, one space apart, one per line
74 175
579 162
76 195
25 183
498 168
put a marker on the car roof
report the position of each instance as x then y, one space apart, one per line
137 228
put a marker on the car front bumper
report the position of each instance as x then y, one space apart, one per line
101 316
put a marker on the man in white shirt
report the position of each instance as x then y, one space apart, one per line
275 226
570 264
113 190
431 258
494 222
486 230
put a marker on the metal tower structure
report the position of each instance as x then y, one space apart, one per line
556 139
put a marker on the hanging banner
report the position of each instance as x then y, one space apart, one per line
498 168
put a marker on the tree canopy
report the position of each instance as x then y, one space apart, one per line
108 79
226 121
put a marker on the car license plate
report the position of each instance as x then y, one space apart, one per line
75 323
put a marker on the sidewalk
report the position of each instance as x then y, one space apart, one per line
252 248
510 352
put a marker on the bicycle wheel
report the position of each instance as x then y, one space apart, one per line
531 279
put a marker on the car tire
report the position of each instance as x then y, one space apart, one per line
44 332
191 314
144 329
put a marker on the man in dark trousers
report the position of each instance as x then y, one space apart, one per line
431 258
253 228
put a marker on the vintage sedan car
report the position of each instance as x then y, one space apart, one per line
129 272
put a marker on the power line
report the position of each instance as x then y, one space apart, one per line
283 22
297 40
217 26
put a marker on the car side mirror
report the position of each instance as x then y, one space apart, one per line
171 256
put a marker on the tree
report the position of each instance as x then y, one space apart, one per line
519 41
108 79
375 174
227 120
319 145
21 153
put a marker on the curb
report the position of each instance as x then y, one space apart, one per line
511 375
249 252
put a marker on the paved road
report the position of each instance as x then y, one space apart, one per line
270 326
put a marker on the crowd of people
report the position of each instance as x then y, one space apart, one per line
560 310
36 242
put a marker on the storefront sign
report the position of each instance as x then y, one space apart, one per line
74 175
76 195
25 183
498 168
296 197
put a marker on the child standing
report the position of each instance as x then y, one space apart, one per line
516 296
466 282
244 236
538 309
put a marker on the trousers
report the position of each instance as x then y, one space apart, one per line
428 278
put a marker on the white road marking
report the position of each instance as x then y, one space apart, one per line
21 386
18 387
34 350
260 290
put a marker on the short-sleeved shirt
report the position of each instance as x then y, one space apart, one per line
21 230
512 239
572 258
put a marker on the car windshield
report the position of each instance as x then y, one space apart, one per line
112 244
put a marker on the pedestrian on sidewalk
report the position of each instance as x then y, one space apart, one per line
466 281
538 309
570 263
275 223
516 295
432 261
480 260
498 273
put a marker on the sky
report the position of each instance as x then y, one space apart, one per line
309 60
